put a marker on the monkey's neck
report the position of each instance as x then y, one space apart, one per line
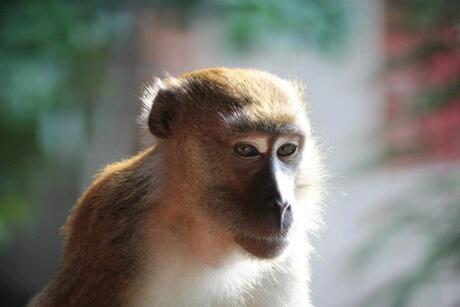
190 265
193 232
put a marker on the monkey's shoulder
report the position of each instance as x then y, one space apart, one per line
119 192
120 180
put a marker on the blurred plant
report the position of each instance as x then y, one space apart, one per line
429 34
429 212
423 78
321 24
52 55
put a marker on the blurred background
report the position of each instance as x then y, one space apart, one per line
383 80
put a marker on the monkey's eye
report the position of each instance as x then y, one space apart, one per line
246 150
286 150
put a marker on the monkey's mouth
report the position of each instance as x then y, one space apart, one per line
262 247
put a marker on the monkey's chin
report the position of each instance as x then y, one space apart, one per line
265 248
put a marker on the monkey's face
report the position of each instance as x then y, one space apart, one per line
251 187
241 136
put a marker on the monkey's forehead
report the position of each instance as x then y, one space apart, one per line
235 81
257 91
248 96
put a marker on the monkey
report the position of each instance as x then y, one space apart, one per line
217 212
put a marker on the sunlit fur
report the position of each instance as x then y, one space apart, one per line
148 232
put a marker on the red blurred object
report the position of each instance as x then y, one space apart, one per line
413 135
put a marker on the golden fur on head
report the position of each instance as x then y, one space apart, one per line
258 96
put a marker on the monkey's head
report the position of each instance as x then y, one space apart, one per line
240 141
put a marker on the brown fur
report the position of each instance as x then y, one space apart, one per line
102 238
169 188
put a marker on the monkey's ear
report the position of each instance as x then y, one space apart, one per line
162 114
159 109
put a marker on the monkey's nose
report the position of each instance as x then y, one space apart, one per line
284 214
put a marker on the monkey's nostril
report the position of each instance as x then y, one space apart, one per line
281 206
284 214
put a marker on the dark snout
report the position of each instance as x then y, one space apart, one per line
277 211
267 214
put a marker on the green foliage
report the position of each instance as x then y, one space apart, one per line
52 56
425 15
321 24
435 98
13 213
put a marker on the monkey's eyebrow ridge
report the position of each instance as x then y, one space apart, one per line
242 125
